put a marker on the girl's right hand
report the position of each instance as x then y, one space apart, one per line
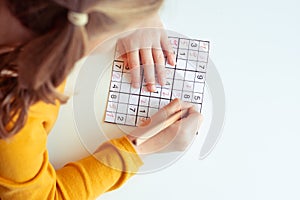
175 137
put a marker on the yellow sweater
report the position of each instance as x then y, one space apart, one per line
25 171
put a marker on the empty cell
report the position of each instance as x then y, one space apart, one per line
198 106
187 96
123 98
122 108
178 85
130 120
143 111
154 102
152 111
182 54
180 64
193 55
201 66
203 57
200 77
197 98
132 109
169 83
179 74
126 78
144 91
115 86
125 87
169 73
188 86
176 94
199 87
116 76
204 46
133 99
163 102
110 117
113 96
112 106
120 118
118 66
189 76
135 90
144 101
165 93
194 45
156 93
191 65
184 43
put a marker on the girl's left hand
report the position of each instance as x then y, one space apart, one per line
147 47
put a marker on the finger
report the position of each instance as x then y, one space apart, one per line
121 53
193 117
149 72
174 106
168 50
134 66
159 60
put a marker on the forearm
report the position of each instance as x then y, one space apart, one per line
109 168
114 163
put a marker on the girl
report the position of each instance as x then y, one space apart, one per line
40 41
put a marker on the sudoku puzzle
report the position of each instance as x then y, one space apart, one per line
186 80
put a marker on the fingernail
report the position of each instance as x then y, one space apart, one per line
173 60
152 88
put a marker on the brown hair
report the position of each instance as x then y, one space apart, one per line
44 62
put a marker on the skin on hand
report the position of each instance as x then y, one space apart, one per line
148 48
176 137
7 48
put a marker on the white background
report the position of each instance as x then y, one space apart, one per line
255 46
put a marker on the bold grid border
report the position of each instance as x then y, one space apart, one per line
171 87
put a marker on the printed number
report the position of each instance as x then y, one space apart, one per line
202 66
193 44
115 86
186 96
120 118
132 109
118 66
197 98
199 76
113 96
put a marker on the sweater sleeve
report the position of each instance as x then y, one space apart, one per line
25 171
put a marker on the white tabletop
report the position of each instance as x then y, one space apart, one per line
255 46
